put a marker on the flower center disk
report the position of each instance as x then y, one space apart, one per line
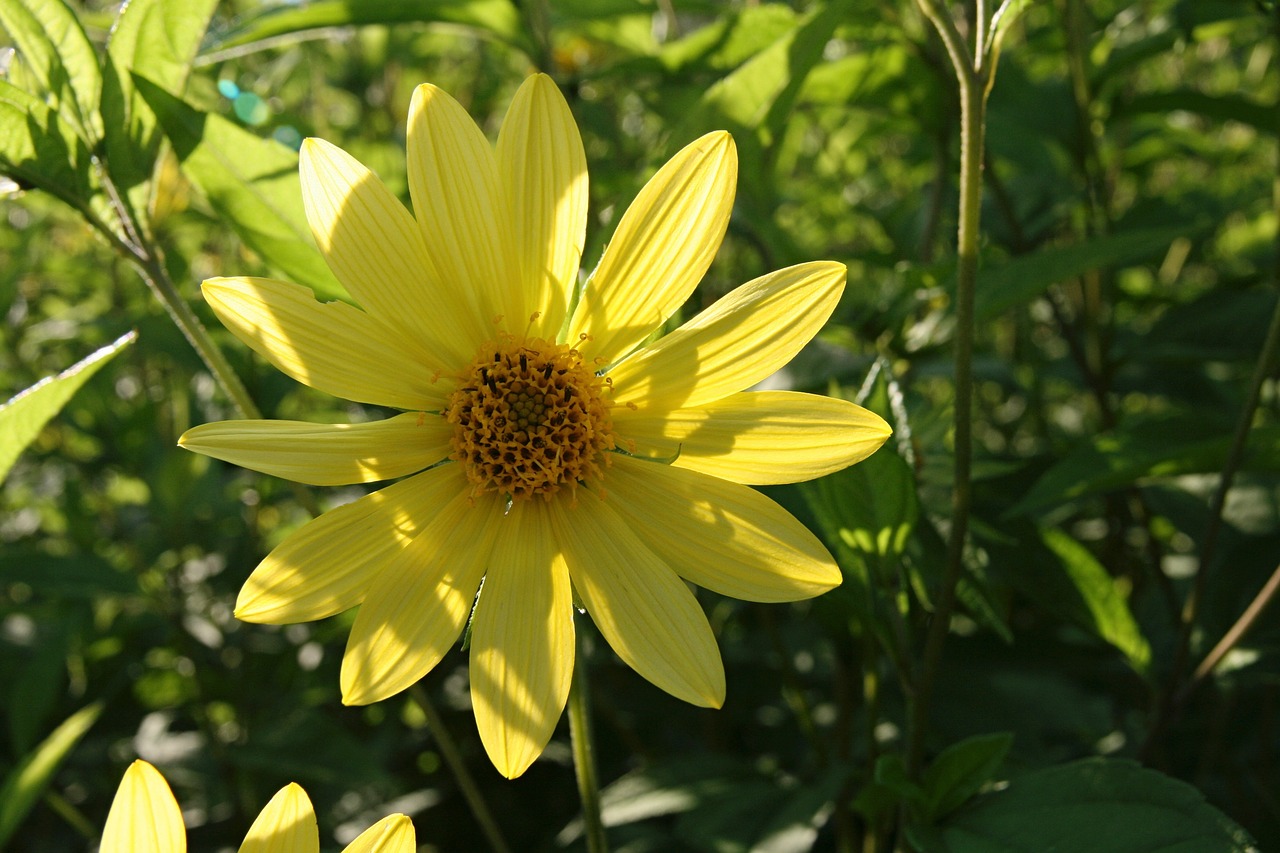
530 417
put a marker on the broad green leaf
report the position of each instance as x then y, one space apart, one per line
26 783
22 418
1024 278
961 770
1226 107
60 57
760 815
728 41
38 149
252 183
157 40
754 102
1131 455
1100 805
871 507
64 576
1100 608
498 18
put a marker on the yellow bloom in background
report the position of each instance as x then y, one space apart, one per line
548 451
144 818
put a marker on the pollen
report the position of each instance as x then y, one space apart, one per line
530 418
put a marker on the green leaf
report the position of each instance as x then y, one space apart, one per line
79 576
38 149
1097 604
754 102
961 770
1024 278
157 40
498 18
27 782
252 183
871 507
1219 108
22 418
1161 448
1100 805
60 57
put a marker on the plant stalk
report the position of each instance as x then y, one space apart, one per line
584 760
466 782
974 83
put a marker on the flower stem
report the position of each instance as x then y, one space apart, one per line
453 757
584 760
973 76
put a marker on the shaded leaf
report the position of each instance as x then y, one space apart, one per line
1100 805
22 418
26 783
1155 449
252 183
1024 278
961 770
38 149
871 507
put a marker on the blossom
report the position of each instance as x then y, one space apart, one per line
552 457
144 816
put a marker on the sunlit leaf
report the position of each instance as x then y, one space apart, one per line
26 783
22 418
1100 805
1101 609
252 183
156 40
58 54
871 507
497 18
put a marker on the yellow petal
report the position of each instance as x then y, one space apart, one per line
393 834
326 566
645 612
741 339
375 248
522 641
327 454
286 825
544 173
759 437
728 538
330 346
460 206
660 250
420 601
144 815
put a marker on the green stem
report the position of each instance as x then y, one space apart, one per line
466 782
974 83
584 761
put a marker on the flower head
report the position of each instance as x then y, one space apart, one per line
546 449
144 816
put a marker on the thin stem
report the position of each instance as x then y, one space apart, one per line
584 759
973 85
1263 368
453 757
1234 635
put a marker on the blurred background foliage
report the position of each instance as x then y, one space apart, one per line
1127 280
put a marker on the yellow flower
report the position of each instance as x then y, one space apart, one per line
144 816
555 455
